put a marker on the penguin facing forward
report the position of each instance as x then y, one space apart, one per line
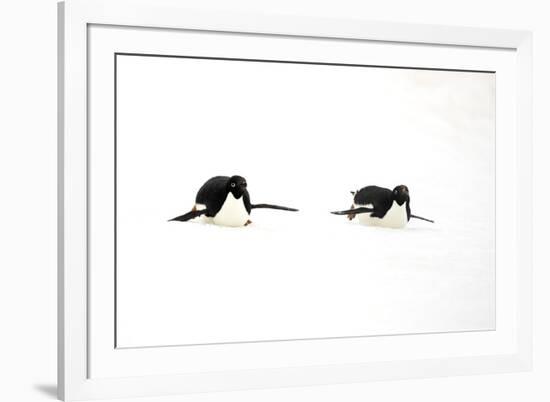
379 206
225 201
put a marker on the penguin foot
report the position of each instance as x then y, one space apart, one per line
351 216
248 222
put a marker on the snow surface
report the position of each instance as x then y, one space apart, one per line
308 274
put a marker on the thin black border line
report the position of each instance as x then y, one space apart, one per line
313 63
115 198
116 54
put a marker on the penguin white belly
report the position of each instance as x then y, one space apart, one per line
396 217
232 212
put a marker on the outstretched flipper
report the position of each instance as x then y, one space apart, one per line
189 215
353 211
269 206
422 219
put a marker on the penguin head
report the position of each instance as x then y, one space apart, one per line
236 186
401 194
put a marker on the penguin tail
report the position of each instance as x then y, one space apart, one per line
270 206
188 216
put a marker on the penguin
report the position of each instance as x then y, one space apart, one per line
225 201
379 206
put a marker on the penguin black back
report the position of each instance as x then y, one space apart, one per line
381 199
213 193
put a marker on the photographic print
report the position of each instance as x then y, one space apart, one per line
259 200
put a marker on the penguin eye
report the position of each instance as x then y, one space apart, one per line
232 184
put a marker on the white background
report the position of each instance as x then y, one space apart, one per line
303 136
28 166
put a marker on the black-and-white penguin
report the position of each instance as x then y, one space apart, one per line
379 206
225 201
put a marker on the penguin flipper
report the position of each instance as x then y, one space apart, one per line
361 210
270 206
189 215
422 219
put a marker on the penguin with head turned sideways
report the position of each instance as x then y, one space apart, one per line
225 201
379 206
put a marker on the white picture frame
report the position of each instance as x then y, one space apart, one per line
117 372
